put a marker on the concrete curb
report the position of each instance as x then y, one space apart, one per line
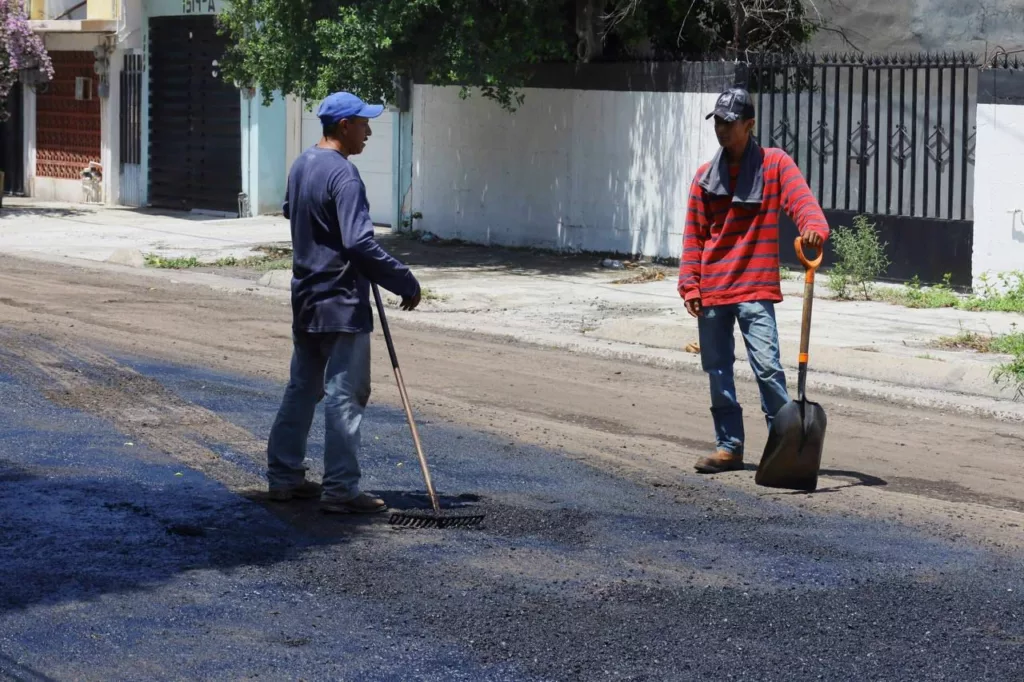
833 384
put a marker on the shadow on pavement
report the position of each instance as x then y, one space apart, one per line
457 255
27 208
859 480
73 533
19 211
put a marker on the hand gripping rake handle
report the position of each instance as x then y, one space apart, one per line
810 267
405 400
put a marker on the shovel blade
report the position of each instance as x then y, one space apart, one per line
792 455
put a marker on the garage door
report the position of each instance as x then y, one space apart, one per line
374 163
195 136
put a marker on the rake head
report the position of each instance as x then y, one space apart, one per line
431 520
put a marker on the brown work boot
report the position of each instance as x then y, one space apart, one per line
307 490
363 503
719 462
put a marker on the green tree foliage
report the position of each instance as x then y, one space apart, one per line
313 47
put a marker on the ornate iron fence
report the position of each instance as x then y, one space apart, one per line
879 135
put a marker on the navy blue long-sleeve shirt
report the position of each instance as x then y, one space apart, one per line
335 253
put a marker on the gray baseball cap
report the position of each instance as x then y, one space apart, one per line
733 105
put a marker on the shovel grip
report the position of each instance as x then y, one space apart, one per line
809 265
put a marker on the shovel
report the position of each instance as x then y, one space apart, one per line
792 455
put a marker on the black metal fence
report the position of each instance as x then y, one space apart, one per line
878 135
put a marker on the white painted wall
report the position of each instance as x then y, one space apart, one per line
375 164
998 200
578 170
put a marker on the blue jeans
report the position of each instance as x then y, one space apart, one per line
335 367
718 353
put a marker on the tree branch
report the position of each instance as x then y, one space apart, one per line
757 24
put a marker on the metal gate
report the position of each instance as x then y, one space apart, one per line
132 188
12 158
891 138
195 137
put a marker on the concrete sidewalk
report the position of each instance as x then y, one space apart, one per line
868 348
31 228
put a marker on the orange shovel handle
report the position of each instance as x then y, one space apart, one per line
809 264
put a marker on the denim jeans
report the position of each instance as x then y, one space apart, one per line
335 367
718 353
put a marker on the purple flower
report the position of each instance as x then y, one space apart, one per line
20 48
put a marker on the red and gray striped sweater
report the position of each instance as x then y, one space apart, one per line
731 252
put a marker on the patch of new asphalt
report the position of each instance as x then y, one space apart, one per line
121 564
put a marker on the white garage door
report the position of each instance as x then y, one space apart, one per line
374 163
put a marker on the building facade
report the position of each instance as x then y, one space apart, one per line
137 113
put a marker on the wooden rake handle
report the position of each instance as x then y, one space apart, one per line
405 400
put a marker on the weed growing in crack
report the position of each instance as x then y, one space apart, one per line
860 259
1010 373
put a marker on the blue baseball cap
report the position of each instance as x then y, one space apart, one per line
341 105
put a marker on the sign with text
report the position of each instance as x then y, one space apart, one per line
198 7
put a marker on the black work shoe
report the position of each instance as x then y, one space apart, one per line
307 490
363 503
719 462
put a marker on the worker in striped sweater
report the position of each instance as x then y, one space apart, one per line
729 269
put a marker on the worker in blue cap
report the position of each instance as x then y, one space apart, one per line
335 257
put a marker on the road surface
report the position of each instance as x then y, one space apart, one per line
136 542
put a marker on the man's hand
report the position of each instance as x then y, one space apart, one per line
694 307
410 303
812 239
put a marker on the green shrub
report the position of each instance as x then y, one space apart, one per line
860 259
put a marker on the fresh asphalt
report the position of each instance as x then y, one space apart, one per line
120 563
